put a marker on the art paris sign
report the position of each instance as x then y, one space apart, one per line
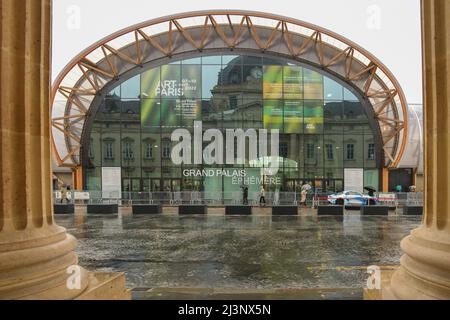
228 150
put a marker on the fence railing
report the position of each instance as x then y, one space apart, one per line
224 198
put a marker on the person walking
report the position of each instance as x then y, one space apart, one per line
63 192
262 197
304 194
245 196
276 197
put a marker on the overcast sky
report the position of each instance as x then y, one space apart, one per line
388 29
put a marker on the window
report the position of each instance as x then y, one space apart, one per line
233 102
128 151
350 152
166 152
149 151
310 151
329 151
109 150
371 151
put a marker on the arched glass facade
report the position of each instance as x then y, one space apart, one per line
323 127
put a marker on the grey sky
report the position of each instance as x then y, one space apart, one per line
394 37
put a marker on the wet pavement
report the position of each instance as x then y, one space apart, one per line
217 256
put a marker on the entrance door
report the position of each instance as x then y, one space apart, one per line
176 185
290 186
131 188
151 185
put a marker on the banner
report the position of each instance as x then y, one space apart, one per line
111 183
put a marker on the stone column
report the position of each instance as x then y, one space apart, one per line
36 256
425 267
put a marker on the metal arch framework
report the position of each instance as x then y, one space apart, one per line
200 32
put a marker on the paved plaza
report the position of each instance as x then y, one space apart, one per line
260 256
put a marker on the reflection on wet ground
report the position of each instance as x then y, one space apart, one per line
259 254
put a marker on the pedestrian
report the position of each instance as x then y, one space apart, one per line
412 189
262 197
245 196
306 187
399 188
276 198
304 194
63 192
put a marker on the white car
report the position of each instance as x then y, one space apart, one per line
351 198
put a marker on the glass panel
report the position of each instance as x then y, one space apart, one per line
313 85
349 96
151 114
356 121
212 111
293 82
95 149
252 113
273 114
171 86
150 83
111 146
192 61
354 151
212 60
370 153
293 116
211 81
333 151
191 82
371 179
131 89
313 150
273 82
231 59
94 179
313 113
252 60
333 116
333 90
170 114
191 110
253 78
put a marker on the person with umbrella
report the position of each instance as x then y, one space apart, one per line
371 193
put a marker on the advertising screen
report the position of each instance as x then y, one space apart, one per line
293 116
191 81
273 82
313 85
313 115
273 114
150 113
150 83
293 82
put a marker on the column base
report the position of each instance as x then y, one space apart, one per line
44 266
106 286
425 269
384 292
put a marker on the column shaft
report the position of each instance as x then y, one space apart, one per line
425 267
34 252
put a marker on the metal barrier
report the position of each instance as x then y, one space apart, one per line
397 200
